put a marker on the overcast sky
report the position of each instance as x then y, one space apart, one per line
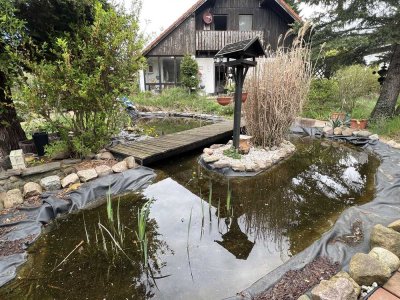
157 15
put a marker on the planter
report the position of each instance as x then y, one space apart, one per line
41 139
244 97
338 116
224 100
358 124
27 146
245 144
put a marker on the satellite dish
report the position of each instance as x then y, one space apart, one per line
208 18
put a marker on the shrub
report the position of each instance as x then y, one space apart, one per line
354 82
190 73
82 86
277 88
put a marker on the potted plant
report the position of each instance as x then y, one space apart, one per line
244 97
340 116
224 100
358 124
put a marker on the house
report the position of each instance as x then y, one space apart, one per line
206 28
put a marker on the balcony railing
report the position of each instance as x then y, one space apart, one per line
216 40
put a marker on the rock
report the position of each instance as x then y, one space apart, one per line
220 164
210 159
70 180
120 167
393 144
90 156
327 130
363 133
14 197
342 274
216 146
105 155
386 257
338 289
252 167
374 137
304 297
387 238
237 166
3 197
208 151
103 170
51 183
87 175
61 155
261 163
32 189
131 163
337 131
395 225
366 269
347 132
69 170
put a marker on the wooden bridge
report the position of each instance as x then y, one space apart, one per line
153 150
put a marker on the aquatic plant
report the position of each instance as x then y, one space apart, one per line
143 214
229 200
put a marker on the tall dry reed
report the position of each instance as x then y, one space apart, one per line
278 88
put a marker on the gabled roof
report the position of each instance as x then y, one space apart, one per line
195 7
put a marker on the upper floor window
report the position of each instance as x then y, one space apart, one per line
245 22
221 22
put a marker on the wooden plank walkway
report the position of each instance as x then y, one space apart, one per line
153 150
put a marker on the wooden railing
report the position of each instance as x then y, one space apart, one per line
216 40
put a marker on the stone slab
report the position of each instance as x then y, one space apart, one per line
393 285
41 169
381 294
68 162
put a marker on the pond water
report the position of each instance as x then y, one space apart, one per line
208 238
161 126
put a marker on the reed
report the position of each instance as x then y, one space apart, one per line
278 88
143 215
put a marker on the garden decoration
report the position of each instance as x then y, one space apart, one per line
239 57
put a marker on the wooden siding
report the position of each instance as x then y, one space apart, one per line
179 42
216 40
264 19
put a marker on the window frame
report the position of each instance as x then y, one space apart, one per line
252 22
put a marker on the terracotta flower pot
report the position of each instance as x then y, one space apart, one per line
224 100
358 124
340 116
244 97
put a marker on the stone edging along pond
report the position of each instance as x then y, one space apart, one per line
383 210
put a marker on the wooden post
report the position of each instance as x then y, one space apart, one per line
239 79
159 73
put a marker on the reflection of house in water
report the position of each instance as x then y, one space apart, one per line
236 241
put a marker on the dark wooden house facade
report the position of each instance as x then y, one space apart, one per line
206 28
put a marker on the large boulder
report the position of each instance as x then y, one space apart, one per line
87 175
363 133
51 183
105 155
342 274
387 238
70 180
120 167
386 257
14 197
131 163
395 225
220 164
209 159
366 269
103 170
32 189
338 289
304 297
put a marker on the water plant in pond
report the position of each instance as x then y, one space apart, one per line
143 215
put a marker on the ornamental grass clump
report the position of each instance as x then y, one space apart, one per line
277 89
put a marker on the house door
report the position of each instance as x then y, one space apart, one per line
220 79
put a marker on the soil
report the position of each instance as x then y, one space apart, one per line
32 202
94 163
296 283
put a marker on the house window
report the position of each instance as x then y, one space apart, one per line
245 22
221 22
151 69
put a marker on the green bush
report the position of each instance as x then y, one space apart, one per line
190 73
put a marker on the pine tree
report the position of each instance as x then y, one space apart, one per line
353 29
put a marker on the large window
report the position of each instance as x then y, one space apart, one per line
221 22
245 22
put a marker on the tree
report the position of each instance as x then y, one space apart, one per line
77 92
27 31
353 29
11 30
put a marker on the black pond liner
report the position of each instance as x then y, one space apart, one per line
88 195
384 209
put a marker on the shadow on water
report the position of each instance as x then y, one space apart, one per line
209 237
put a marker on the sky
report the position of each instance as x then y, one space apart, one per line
158 15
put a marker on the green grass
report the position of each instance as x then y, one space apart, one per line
389 129
177 99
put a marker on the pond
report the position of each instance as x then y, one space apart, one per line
208 237
161 126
